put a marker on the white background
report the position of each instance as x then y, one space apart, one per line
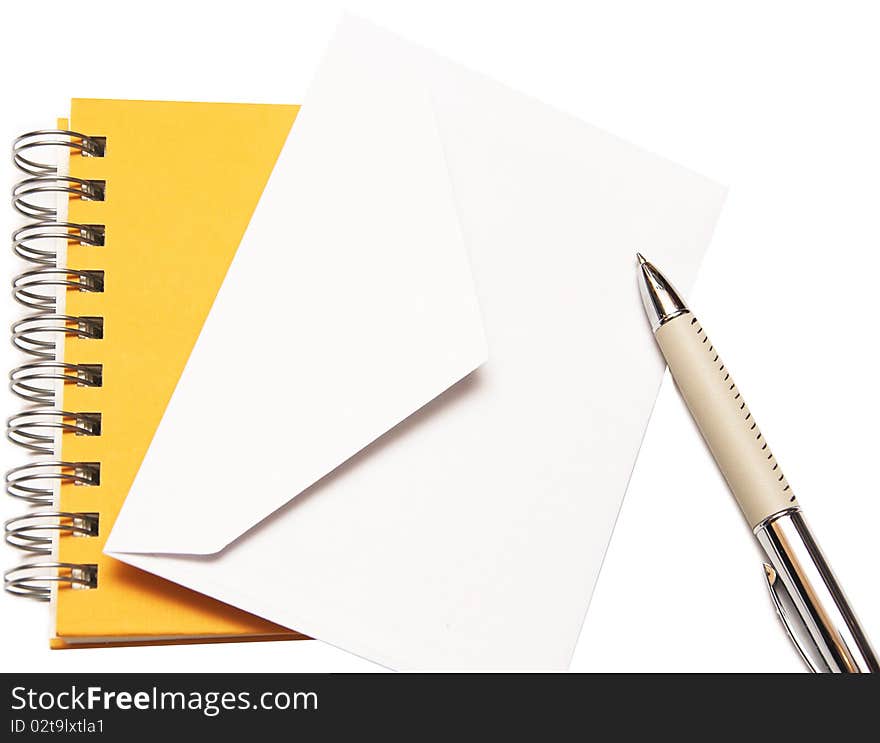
777 100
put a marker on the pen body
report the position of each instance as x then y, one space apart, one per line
808 599
724 418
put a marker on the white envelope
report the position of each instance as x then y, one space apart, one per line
471 534
349 305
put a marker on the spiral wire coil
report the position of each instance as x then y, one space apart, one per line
40 334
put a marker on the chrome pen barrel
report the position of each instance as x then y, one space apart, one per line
809 600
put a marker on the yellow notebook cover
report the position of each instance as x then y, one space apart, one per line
181 183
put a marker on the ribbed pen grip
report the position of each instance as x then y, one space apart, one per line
724 419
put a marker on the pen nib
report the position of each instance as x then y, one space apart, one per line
661 301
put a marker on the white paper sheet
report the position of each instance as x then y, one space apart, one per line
471 535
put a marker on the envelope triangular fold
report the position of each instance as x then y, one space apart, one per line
349 305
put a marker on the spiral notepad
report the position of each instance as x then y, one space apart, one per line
373 349
130 223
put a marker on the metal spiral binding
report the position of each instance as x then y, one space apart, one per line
34 580
38 427
35 382
35 429
25 286
34 482
35 242
33 532
48 138
34 197
37 334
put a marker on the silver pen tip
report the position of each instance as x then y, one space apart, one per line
662 302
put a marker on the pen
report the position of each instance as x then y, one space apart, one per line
808 599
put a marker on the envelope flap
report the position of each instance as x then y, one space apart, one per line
349 305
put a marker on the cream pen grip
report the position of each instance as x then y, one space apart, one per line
808 599
722 415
